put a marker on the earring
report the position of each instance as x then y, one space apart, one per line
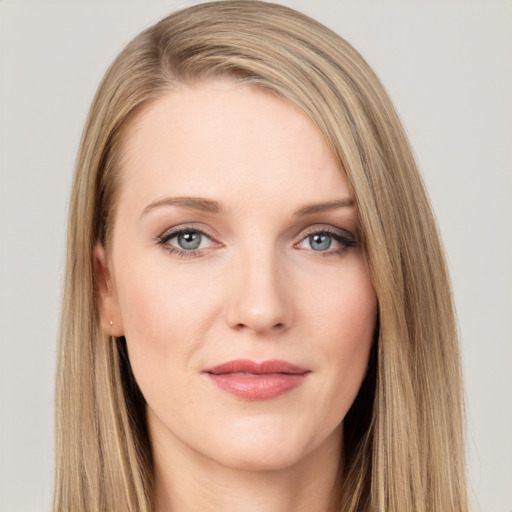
111 323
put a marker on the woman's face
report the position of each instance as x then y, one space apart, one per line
237 277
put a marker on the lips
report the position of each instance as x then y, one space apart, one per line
257 381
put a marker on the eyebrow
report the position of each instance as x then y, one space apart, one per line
191 203
212 206
323 207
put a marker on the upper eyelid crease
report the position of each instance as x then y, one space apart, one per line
341 235
335 231
317 228
170 233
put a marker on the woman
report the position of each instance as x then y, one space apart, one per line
257 314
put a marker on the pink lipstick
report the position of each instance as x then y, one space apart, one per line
257 381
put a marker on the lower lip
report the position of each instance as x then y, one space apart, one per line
257 387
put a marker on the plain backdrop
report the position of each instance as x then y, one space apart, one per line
448 67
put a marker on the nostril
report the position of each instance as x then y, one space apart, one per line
276 327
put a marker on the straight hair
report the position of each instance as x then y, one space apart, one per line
403 440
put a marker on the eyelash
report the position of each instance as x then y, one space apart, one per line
181 253
344 238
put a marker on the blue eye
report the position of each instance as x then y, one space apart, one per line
189 241
330 243
320 241
185 241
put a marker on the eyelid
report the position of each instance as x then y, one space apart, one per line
183 228
342 237
163 239
327 228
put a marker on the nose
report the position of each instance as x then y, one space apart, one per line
258 295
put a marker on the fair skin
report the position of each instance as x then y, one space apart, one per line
236 238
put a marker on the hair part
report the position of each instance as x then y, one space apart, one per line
403 442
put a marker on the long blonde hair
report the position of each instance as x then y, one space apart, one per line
403 437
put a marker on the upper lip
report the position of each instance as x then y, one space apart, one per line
256 368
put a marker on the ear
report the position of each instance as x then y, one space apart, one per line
108 305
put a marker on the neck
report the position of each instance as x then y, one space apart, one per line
187 481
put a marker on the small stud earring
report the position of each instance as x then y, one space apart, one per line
111 323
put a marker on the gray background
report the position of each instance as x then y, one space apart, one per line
448 67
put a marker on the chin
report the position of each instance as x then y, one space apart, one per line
266 450
261 459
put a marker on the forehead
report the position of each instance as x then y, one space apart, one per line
227 141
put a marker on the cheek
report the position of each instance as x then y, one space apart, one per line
345 320
343 307
165 312
357 315
154 293
165 319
